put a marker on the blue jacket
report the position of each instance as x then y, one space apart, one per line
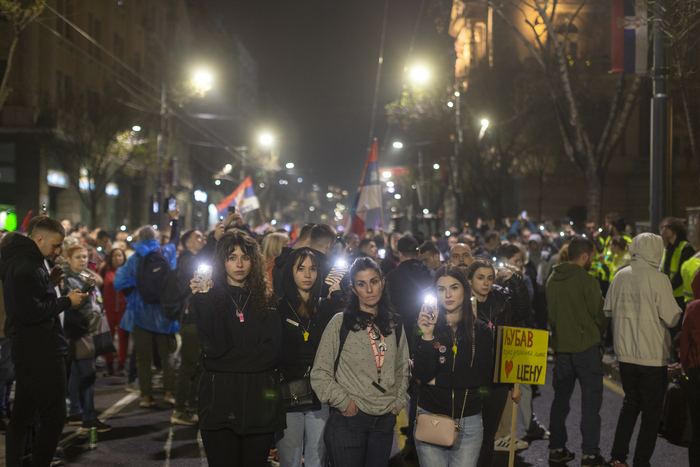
144 315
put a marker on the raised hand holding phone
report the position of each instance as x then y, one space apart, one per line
428 317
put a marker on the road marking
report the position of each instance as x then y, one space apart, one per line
168 446
116 408
614 387
202 453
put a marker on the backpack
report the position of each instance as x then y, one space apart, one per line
173 298
150 276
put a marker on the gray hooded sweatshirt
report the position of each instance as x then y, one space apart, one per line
641 303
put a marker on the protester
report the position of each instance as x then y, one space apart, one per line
620 255
144 318
104 242
461 256
115 306
453 360
271 249
240 403
38 344
368 248
690 360
304 318
7 368
492 240
391 259
507 304
577 321
430 255
82 322
678 250
361 370
353 243
642 306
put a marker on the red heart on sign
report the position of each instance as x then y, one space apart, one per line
509 367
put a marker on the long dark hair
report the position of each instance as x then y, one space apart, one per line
465 325
353 317
108 263
262 298
306 308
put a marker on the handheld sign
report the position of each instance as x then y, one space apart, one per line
521 355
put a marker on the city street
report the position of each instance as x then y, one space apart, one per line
143 437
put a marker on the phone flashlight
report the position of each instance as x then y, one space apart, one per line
382 253
430 303
221 218
204 269
340 264
501 265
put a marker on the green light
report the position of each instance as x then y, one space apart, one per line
11 222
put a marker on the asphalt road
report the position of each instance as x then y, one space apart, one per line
144 437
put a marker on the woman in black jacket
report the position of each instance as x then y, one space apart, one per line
453 360
506 304
304 318
240 404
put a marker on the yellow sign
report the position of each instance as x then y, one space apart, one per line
521 355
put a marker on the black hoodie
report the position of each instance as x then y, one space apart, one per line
407 285
31 303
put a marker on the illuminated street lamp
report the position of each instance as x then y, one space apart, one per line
290 165
436 166
420 75
484 124
398 144
387 174
266 139
202 82
136 128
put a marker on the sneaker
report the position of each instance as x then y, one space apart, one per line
615 463
182 418
147 402
133 387
74 420
168 401
503 444
193 416
593 461
537 432
561 455
96 423
272 458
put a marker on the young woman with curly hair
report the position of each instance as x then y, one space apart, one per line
240 404
361 370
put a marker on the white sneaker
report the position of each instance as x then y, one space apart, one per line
503 444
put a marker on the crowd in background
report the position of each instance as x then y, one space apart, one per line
325 337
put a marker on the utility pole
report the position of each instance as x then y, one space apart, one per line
660 122
160 151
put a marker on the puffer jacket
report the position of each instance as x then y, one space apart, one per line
147 316
641 303
84 321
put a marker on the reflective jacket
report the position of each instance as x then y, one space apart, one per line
688 270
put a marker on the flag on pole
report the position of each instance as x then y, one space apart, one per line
630 37
243 198
369 194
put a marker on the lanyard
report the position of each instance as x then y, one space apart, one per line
239 311
378 353
305 330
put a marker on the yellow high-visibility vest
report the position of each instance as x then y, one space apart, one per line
688 270
675 266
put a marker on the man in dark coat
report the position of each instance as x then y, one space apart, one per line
38 344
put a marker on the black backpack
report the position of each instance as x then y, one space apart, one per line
150 276
174 298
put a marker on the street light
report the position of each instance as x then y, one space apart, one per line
397 196
136 128
436 166
202 82
420 74
398 144
386 174
217 182
228 167
450 104
484 123
290 165
266 139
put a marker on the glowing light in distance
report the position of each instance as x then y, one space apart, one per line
266 139
329 195
200 196
122 228
290 165
397 196
389 184
456 93
203 79
136 128
484 124
450 104
420 75
217 182
398 144
273 222
228 167
436 166
129 238
300 180
426 211
262 185
386 174
312 209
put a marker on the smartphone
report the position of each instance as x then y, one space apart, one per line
203 275
382 253
88 290
172 204
524 214
43 207
431 304
231 209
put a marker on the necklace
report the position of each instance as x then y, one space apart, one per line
378 353
304 329
239 311
454 342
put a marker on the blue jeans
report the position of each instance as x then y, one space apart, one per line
465 451
81 389
360 441
303 438
587 367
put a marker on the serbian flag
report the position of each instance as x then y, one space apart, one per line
243 198
630 41
369 194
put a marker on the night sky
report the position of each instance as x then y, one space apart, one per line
317 67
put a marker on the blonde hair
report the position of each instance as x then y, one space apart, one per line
273 243
73 248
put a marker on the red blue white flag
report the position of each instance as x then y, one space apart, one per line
243 198
630 37
369 194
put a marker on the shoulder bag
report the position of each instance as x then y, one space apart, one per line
298 392
438 429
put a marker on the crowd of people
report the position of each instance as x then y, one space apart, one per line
301 348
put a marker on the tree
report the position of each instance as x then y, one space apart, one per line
589 137
96 145
20 14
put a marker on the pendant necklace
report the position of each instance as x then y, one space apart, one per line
304 329
239 311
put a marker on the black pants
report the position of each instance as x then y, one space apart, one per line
493 403
41 388
644 388
693 397
225 448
